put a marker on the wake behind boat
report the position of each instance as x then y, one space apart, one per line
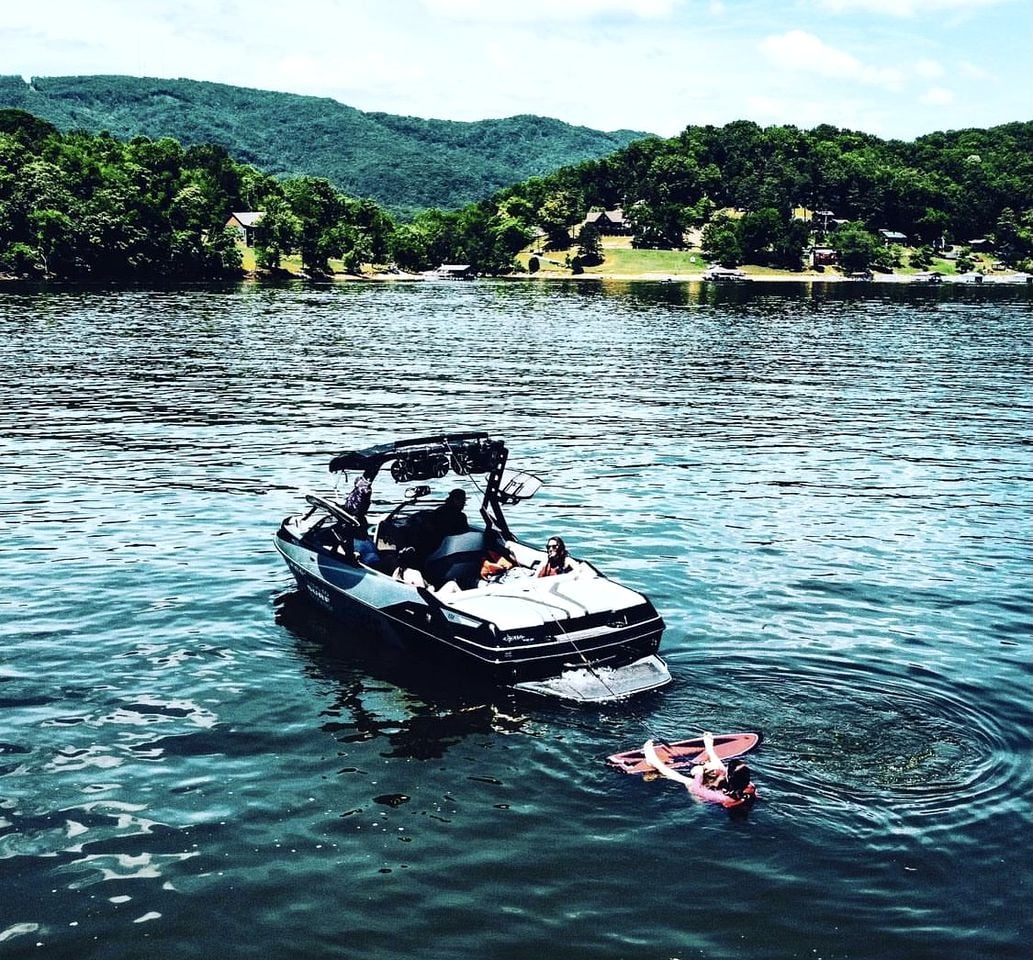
470 596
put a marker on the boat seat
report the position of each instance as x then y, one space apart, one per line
410 530
457 558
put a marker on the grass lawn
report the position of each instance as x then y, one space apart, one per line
247 257
291 263
621 259
628 260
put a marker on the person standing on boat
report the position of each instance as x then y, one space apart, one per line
556 559
359 499
356 539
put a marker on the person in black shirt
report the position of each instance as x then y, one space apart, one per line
449 518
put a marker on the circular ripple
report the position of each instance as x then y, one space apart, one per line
838 732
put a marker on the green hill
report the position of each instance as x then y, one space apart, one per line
403 163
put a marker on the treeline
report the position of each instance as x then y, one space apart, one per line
79 205
742 182
75 205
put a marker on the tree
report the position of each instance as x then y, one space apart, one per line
509 236
922 258
408 248
429 240
657 225
374 222
758 232
26 128
279 234
556 215
700 212
855 246
787 247
53 234
1013 235
932 226
590 246
347 243
317 208
721 242
22 260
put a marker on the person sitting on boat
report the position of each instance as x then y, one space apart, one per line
497 563
556 559
408 572
448 519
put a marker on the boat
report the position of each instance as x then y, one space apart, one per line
577 635
450 271
724 274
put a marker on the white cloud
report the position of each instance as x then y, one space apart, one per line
971 72
544 11
369 70
805 113
805 53
906 9
937 97
929 69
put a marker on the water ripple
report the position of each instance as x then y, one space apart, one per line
826 493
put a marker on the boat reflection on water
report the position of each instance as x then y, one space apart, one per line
382 692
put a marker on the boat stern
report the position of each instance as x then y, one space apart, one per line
602 684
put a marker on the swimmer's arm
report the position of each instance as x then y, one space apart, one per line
713 761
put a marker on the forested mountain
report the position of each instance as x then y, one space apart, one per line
403 163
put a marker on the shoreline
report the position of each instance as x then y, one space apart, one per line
1013 278
1003 278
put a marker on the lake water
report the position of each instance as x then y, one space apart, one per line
826 491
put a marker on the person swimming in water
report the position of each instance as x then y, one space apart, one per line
712 781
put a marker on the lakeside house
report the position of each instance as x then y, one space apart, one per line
245 222
890 237
819 219
608 222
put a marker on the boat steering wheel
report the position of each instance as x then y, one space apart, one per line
334 509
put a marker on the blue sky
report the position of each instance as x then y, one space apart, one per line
894 68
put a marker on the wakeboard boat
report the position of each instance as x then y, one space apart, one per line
476 598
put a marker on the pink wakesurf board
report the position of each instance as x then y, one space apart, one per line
680 754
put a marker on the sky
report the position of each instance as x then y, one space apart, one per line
893 68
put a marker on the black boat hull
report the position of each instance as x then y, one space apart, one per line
401 615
